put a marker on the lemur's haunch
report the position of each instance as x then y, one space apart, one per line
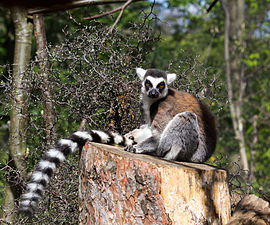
177 127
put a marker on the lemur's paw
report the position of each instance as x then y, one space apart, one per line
161 152
134 149
130 148
138 150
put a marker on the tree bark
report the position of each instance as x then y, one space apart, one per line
117 187
43 62
18 114
251 210
235 70
253 147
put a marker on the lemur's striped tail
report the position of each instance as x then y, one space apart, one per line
47 166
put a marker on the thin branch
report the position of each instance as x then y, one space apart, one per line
106 13
82 125
70 5
150 13
103 14
211 6
120 15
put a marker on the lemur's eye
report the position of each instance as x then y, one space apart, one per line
148 83
161 85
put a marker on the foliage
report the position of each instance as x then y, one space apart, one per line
6 37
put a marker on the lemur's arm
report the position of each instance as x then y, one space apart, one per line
145 141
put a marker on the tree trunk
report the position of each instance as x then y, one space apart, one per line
43 61
253 147
118 187
234 69
18 114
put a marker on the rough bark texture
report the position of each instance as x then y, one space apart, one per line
44 66
18 114
117 187
251 210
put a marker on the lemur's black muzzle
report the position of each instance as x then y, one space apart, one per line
153 93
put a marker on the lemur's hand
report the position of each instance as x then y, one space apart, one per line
130 148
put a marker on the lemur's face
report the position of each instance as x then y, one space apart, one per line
155 87
155 82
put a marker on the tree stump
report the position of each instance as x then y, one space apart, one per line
251 210
117 187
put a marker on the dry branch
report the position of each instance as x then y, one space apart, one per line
82 125
70 5
103 14
211 6
120 15
106 13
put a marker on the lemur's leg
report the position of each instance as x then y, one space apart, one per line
144 140
178 141
180 138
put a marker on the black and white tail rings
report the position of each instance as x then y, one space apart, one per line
51 160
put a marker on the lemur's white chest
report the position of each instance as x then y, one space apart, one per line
147 102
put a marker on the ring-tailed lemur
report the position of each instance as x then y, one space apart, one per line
177 127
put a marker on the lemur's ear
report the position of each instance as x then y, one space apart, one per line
171 77
140 72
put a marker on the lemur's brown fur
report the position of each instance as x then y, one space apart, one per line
176 102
